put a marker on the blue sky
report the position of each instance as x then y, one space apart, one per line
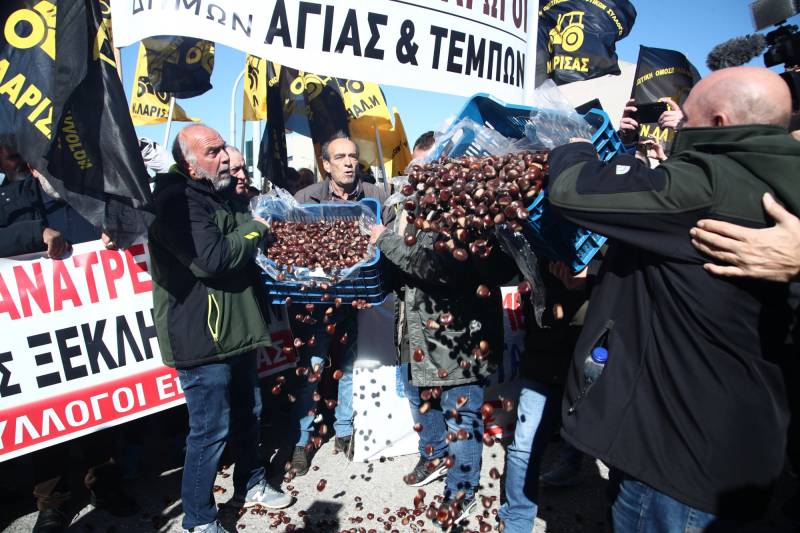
690 26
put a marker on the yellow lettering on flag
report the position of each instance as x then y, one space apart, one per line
255 89
148 106
366 108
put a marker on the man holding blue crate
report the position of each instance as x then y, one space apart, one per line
340 161
686 404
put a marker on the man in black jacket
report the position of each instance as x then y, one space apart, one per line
209 320
688 408
23 221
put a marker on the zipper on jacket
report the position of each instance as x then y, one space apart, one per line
213 326
603 335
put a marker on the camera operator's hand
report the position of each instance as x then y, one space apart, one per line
57 245
651 148
628 125
770 253
673 116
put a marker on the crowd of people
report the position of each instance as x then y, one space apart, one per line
692 306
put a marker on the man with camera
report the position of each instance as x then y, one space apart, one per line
688 410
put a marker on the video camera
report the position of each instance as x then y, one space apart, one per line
780 46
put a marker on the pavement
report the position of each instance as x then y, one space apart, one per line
355 497
336 495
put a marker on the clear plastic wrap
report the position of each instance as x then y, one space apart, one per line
279 204
553 120
518 247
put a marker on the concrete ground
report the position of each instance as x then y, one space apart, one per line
356 496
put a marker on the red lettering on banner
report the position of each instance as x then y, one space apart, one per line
63 287
112 273
511 303
272 359
135 269
35 288
7 305
87 261
84 409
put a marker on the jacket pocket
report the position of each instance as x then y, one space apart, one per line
214 317
601 339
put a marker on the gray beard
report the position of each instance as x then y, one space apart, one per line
217 182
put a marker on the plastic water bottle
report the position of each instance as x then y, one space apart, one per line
594 364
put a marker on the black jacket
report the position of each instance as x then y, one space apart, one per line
688 402
22 217
206 294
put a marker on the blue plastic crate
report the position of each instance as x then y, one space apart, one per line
367 284
549 234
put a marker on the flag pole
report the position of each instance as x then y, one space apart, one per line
380 159
169 120
232 123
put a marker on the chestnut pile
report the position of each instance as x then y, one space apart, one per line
330 245
464 198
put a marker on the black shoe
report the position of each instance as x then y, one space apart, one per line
300 461
457 510
344 445
116 502
426 472
53 520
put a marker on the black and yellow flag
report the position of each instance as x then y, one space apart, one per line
180 66
62 107
149 106
254 102
577 38
273 160
662 73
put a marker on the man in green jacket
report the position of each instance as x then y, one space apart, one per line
689 409
209 322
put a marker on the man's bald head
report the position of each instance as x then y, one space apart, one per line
738 96
200 152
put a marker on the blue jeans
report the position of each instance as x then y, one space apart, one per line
224 401
320 355
538 412
642 509
465 473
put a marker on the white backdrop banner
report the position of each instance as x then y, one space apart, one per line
458 46
78 351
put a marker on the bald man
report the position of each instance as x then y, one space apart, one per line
209 323
688 409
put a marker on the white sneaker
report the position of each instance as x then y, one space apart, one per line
213 527
261 494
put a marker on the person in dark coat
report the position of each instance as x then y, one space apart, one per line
452 340
689 407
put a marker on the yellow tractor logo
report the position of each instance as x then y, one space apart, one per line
568 32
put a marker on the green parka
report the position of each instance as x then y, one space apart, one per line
207 300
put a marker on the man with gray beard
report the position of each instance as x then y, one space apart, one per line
210 320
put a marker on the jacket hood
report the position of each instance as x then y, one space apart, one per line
768 153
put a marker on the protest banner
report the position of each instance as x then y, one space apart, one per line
79 350
461 47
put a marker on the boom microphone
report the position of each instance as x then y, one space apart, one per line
736 51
